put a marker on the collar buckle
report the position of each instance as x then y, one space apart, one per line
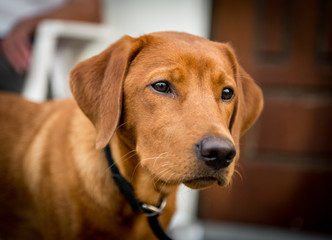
150 210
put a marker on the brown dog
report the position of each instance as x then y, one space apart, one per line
172 106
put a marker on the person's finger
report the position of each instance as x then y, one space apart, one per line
24 51
18 54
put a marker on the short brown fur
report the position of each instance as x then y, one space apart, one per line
54 178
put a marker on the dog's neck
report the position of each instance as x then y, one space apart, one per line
146 188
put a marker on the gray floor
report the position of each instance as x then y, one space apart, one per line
217 231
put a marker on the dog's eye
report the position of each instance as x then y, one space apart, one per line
227 94
162 87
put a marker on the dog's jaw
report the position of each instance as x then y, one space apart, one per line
148 188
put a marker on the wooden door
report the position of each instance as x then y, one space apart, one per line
286 158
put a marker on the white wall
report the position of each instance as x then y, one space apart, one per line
137 17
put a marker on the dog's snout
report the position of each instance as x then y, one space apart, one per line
216 152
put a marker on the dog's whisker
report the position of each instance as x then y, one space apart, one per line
135 169
158 176
160 156
170 176
121 125
153 158
124 158
129 153
166 172
162 172
239 174
167 164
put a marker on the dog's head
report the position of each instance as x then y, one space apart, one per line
181 101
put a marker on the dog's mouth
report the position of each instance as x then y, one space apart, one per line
203 182
195 181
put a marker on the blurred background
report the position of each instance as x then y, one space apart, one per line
286 158
284 189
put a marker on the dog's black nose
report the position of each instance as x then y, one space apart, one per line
216 152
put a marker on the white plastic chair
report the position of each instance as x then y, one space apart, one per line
58 46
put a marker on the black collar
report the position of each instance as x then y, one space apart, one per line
127 190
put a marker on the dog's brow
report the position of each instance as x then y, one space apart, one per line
218 77
222 77
229 77
170 73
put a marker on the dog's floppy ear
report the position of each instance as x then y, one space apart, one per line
250 101
97 83
250 97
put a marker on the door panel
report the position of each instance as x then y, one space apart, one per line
286 158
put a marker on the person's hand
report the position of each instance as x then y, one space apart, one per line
16 48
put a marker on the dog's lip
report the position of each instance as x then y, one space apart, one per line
200 182
193 181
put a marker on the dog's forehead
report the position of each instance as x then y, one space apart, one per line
175 43
174 49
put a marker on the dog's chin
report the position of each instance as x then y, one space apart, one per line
205 182
193 182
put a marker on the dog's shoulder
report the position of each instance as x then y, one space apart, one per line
17 111
21 120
